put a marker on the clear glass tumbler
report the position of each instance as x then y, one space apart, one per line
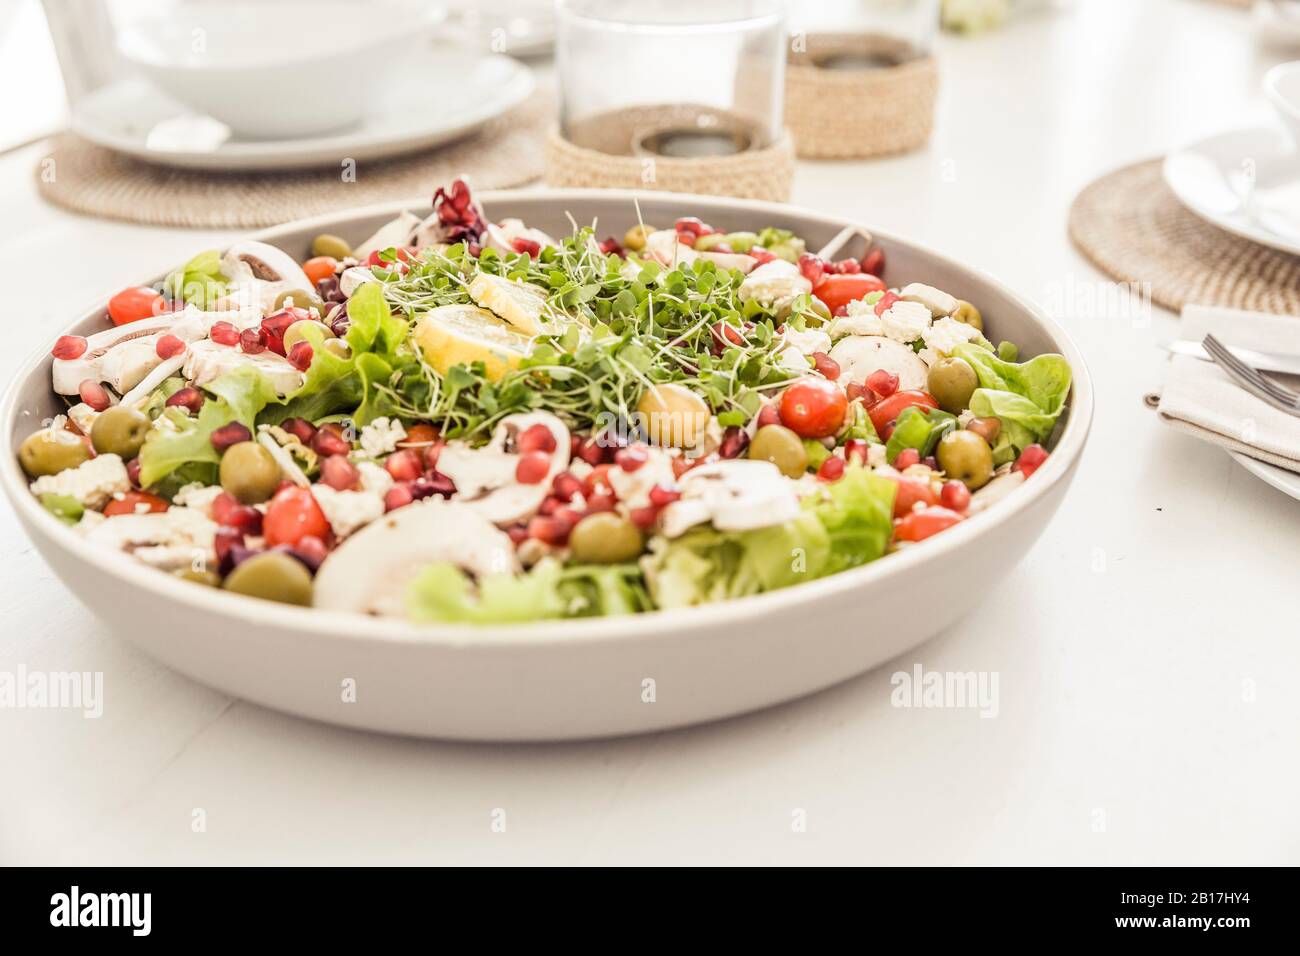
675 78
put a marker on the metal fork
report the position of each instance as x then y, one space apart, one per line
1253 381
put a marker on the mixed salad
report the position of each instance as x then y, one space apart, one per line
473 421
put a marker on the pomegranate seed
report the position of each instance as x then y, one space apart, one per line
439 484
882 383
954 495
188 398
231 434
229 513
610 246
575 445
1030 459
854 390
734 442
886 432
223 333
885 302
223 543
550 530
311 551
827 366
527 246
549 505
536 438
832 469
632 458
598 480
848 267
300 356
661 496
425 487
300 429
841 311
690 224
907 458
599 502
133 472
169 346
769 415
762 255
432 453
687 239
253 341
329 440
811 268
930 462
567 517
339 473
681 465
873 263
93 394
532 468
398 496
404 465
565 486
855 449
69 347
644 518
724 335
591 452
518 533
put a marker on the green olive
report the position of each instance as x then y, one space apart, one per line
967 314
209 578
273 576
301 300
307 330
634 238
327 244
249 473
605 538
119 430
338 347
782 447
50 451
965 456
952 382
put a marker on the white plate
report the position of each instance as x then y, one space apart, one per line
1246 182
1287 482
446 94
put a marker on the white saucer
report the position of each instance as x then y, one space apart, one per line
1246 182
1287 482
445 94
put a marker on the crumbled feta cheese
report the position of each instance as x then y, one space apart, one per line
876 455
92 482
381 436
197 495
936 300
374 478
735 495
943 336
346 511
774 284
808 341
633 487
905 321
861 320
83 416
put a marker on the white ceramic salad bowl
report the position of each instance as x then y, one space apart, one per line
574 678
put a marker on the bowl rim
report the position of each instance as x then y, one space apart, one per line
573 631
1287 107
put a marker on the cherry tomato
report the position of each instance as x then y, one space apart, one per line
135 502
813 408
840 290
293 514
134 304
910 491
919 525
887 409
321 267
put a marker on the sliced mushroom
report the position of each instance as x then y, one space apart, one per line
485 477
734 495
860 355
368 573
206 360
263 271
397 232
175 538
501 235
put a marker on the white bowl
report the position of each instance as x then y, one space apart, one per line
1282 87
280 70
584 678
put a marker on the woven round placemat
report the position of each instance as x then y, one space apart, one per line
95 181
607 160
857 113
1133 228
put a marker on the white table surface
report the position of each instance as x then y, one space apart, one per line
1145 648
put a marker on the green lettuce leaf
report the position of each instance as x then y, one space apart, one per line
330 385
443 592
373 327
237 396
857 514
199 282
602 590
1028 397
919 428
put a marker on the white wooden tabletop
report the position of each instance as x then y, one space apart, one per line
1145 649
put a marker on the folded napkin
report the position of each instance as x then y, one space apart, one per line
1201 400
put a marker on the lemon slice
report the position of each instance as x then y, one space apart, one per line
518 303
462 334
